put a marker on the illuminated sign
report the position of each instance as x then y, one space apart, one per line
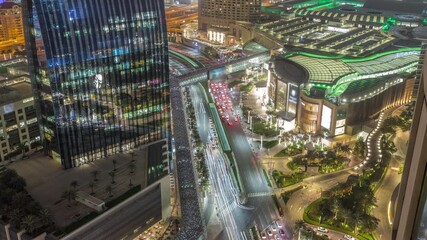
293 93
339 131
27 100
326 117
98 81
340 123
8 108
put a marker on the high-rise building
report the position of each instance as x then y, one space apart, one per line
410 219
11 27
99 71
221 13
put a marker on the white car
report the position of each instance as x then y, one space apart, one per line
348 237
322 229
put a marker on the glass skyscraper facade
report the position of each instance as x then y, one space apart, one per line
99 70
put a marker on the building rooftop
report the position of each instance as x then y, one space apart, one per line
15 93
322 70
8 5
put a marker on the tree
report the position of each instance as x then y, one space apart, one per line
95 174
114 164
109 190
338 147
45 217
360 147
299 224
22 148
20 199
74 184
132 168
132 154
346 214
15 217
335 207
369 223
30 223
112 175
69 194
91 185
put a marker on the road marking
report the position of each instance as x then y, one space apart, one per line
259 194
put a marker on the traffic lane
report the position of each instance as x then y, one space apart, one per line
250 172
124 221
202 111
384 205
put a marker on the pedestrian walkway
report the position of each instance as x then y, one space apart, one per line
260 194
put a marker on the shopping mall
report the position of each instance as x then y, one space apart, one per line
339 63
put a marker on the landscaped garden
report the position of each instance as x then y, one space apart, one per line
284 180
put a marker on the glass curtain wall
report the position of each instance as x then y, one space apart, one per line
100 75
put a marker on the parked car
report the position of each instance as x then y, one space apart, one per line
322 229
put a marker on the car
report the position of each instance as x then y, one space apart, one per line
348 237
273 228
277 237
263 235
279 223
282 232
322 229
269 233
229 123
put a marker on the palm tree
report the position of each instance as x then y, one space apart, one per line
338 147
346 214
30 223
74 184
22 147
132 168
15 217
45 217
109 190
335 207
114 164
299 224
95 173
112 175
91 185
132 154
69 194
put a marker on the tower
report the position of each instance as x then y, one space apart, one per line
99 71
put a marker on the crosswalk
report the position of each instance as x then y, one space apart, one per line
260 194
229 208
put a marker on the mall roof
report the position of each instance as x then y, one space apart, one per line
322 70
409 6
385 63
290 71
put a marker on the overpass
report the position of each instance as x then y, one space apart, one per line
192 220
209 72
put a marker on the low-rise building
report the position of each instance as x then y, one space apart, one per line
18 121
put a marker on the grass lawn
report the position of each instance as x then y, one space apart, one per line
270 144
263 129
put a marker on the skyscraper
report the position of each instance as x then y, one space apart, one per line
222 13
410 220
99 71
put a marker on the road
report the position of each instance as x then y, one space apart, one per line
121 220
259 208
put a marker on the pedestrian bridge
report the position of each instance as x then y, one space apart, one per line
222 69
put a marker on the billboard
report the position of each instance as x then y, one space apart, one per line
326 117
